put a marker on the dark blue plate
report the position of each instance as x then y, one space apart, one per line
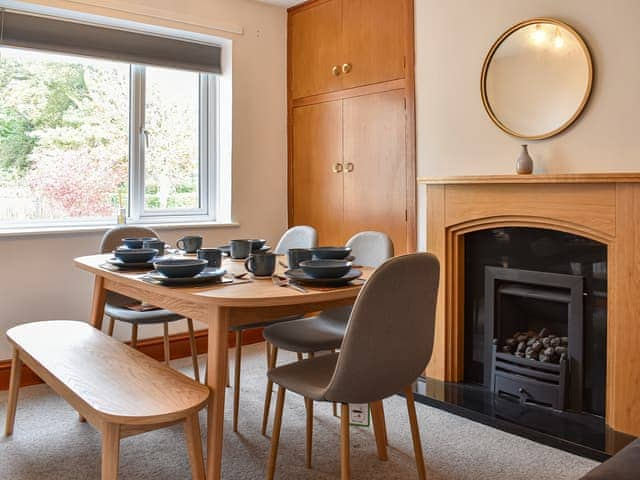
207 275
116 262
298 275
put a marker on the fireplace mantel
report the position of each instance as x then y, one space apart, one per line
603 207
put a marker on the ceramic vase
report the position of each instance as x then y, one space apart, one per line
524 164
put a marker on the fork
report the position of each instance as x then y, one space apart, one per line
280 282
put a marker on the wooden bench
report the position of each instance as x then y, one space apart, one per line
120 391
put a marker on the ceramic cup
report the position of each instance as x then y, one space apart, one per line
190 244
297 255
240 248
261 264
157 244
211 255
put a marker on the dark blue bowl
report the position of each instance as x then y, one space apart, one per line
180 268
135 255
330 253
325 268
136 242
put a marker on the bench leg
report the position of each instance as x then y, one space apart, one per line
194 446
14 387
110 451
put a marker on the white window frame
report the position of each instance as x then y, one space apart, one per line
207 153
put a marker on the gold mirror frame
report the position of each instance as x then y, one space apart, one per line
489 57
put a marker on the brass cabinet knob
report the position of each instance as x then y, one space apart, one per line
337 167
335 70
349 167
346 68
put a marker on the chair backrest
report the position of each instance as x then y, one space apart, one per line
371 249
113 237
389 337
301 236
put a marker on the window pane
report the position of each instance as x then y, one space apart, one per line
64 142
172 163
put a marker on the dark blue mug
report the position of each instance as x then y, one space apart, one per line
212 255
297 255
261 264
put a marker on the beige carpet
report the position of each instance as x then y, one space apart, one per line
50 443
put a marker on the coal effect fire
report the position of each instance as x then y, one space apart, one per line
542 346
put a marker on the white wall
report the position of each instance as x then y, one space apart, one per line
454 134
38 279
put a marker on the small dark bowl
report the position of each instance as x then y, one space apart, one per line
180 268
257 243
136 242
325 268
135 255
330 253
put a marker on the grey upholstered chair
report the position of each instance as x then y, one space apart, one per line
387 345
301 236
325 331
117 305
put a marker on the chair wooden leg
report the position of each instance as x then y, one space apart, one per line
309 440
379 429
194 446
334 406
167 348
110 451
134 335
194 350
345 461
311 355
275 437
236 380
269 391
112 324
14 388
300 358
415 433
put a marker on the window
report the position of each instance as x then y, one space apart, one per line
81 138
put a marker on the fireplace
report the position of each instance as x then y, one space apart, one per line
583 225
536 305
533 341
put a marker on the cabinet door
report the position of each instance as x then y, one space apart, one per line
314 49
374 36
317 189
375 147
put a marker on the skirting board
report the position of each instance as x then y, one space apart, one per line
179 345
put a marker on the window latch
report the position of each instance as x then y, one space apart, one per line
145 133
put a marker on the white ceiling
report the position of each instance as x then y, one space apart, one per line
283 3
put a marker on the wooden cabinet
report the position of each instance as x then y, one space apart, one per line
340 44
352 128
373 41
375 190
349 167
314 48
317 147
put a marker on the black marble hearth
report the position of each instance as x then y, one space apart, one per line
582 434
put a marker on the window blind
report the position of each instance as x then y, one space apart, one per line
24 30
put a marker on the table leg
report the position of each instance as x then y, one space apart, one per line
97 302
217 380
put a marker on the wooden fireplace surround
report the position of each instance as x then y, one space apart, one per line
602 207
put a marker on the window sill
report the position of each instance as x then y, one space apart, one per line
71 230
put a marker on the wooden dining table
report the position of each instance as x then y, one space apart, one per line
219 306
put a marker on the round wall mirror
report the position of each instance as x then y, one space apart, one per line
536 79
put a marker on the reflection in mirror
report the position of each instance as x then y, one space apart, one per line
537 78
